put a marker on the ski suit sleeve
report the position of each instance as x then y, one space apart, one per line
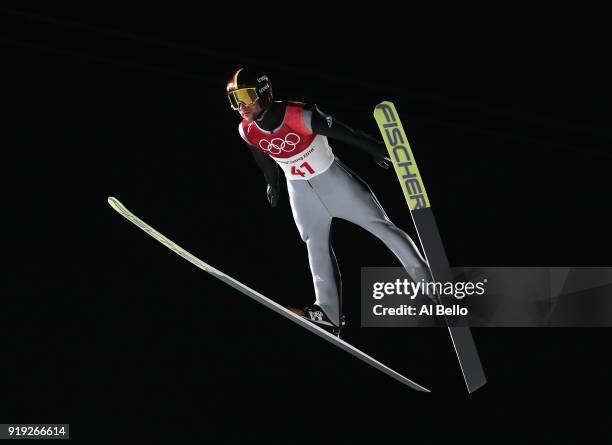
325 125
268 167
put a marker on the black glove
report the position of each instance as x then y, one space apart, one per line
383 160
273 195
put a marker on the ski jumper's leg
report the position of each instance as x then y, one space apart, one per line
314 222
359 206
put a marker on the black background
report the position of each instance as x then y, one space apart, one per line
509 120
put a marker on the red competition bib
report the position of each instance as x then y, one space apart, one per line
300 153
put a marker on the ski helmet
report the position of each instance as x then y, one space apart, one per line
246 87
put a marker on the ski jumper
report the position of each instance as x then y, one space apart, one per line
321 188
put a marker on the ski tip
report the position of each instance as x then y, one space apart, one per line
114 203
384 103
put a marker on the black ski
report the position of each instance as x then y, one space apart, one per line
414 191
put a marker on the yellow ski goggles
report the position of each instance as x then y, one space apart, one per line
244 96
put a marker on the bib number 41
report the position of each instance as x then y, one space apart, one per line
297 172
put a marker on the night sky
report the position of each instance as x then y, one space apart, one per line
509 122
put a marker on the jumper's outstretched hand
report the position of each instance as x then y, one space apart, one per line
273 195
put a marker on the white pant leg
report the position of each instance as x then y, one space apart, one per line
314 222
352 200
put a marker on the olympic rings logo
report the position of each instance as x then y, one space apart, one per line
278 145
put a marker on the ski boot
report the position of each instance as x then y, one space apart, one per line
315 315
